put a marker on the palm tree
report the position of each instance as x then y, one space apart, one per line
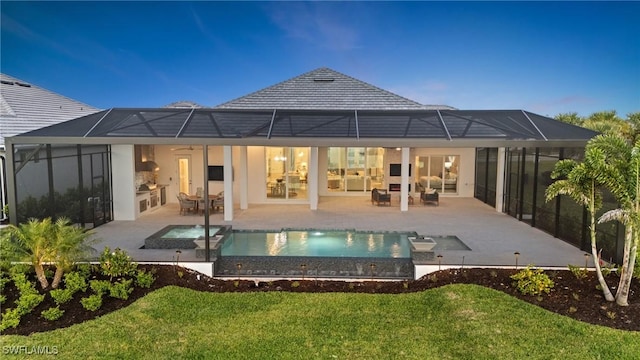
578 181
621 175
31 242
70 244
43 241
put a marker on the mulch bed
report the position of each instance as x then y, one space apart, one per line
578 299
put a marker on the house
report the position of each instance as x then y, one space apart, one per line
25 107
322 133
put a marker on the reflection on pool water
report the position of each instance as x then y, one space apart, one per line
320 243
188 232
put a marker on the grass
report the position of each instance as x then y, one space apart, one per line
451 322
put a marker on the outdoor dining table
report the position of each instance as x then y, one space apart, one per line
197 199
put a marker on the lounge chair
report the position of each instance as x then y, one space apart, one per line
380 196
427 196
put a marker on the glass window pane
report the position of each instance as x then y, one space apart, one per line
451 170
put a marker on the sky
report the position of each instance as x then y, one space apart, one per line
544 57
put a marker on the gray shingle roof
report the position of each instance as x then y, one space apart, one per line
325 89
25 107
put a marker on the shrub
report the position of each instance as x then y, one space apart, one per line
10 319
85 269
578 272
92 303
52 314
48 273
116 263
100 287
21 268
27 302
532 281
2 299
144 279
608 268
74 282
61 296
121 289
3 282
23 284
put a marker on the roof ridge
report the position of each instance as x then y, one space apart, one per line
279 95
373 86
266 88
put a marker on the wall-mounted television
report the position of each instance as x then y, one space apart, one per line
216 173
396 169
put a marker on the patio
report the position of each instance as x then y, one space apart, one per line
492 236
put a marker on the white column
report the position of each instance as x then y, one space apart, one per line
243 172
500 175
124 180
404 181
312 178
228 183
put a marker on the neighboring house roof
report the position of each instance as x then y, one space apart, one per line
184 104
325 89
25 107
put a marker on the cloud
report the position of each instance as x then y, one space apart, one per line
429 92
320 25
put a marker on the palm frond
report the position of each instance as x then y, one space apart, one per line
615 215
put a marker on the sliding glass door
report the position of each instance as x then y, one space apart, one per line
438 172
354 169
286 172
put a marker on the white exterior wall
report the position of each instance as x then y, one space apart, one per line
123 182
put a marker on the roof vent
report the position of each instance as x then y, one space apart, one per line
323 79
6 82
23 84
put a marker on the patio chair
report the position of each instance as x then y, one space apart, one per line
429 197
218 202
202 202
186 205
380 196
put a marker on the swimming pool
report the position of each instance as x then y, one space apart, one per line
320 243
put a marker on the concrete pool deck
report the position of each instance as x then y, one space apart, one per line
492 236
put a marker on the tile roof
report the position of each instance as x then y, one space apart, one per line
25 107
325 89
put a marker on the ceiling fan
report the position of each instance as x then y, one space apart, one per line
189 148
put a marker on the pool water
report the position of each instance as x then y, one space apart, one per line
320 243
188 232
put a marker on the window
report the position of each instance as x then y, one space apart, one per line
438 172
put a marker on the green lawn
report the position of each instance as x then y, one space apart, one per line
452 322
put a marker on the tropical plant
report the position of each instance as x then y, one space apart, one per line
608 123
570 118
70 244
42 241
31 242
579 181
621 175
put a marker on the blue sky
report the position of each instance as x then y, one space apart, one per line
545 57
